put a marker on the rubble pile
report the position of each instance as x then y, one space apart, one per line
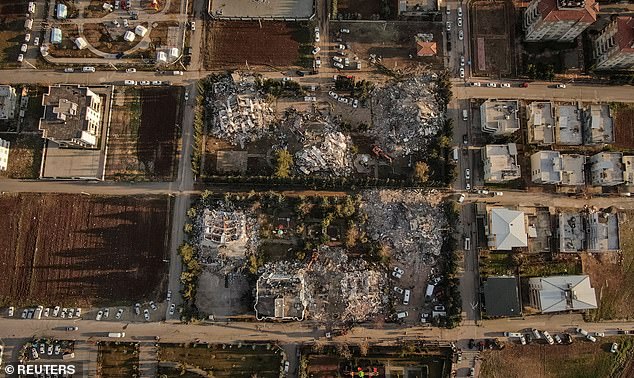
407 221
332 155
341 289
406 114
239 112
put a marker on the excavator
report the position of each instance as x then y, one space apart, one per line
379 153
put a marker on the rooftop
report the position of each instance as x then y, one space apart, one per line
500 117
507 229
603 231
599 125
280 296
564 10
606 168
500 162
501 296
625 34
628 173
571 232
546 167
568 125
573 169
541 123
564 293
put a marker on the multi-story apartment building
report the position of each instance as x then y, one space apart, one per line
558 20
614 47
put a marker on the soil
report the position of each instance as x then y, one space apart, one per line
118 359
108 39
81 250
366 8
25 156
68 49
497 37
624 127
234 43
143 135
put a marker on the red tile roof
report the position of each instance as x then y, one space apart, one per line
550 12
426 48
624 36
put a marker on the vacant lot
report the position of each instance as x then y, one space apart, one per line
11 36
612 276
143 135
25 156
81 250
392 41
623 125
231 44
578 360
68 48
491 31
238 362
118 359
366 8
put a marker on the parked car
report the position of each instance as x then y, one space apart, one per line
459 21
169 295
333 95
193 25
119 314
561 86
11 310
338 65
346 31
24 47
439 308
172 307
558 339
536 333
69 70
47 311
505 85
146 315
99 315
88 69
460 35
397 272
548 338
106 313
355 103
467 186
125 23
72 328
317 36
56 311
130 70
316 50
599 334
398 289
614 348
471 343
137 308
582 331
459 12
475 84
467 173
27 37
462 72
153 306
462 60
522 340
448 26
492 85
591 338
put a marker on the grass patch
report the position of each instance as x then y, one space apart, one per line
117 359
553 268
25 156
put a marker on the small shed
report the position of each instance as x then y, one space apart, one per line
56 35
161 57
61 11
81 43
129 36
140 30
28 24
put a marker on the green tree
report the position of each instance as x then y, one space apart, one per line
284 162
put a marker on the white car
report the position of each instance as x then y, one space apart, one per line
157 82
144 82
397 272
125 23
316 50
186 95
316 36
562 86
459 12
36 41
172 307
341 47
137 309
459 21
337 59
169 295
56 311
119 314
467 173
317 62
614 348
130 70
153 305
398 289
462 72
460 35
338 65
106 313
99 315
467 186
47 311
316 29
24 47
448 26
129 82
27 37
24 314
355 103
462 61
343 100
346 31
146 315
492 85
333 95
475 84
116 23
11 310
193 26
505 85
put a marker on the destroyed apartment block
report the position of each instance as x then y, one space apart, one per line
222 227
280 296
332 156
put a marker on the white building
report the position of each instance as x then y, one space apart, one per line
4 154
72 116
541 123
614 47
500 162
606 169
561 293
506 229
129 36
558 20
552 167
598 126
56 35
8 100
140 30
499 117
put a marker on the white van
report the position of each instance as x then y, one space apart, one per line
129 82
456 153
116 334
401 315
406 297
465 114
429 292
467 244
88 69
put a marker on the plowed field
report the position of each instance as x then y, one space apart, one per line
81 250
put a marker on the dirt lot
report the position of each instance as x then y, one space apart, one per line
491 39
580 359
244 362
95 9
612 276
365 8
118 359
393 41
25 156
108 39
82 250
68 48
143 135
624 126
229 44
11 35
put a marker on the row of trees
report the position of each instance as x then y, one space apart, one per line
449 266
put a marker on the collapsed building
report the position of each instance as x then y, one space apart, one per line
331 155
405 115
280 293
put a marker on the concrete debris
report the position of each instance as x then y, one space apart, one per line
332 155
240 114
405 115
409 222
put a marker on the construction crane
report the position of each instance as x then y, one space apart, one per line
379 153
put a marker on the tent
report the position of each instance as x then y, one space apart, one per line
174 52
61 11
161 57
140 30
56 35
129 36
81 43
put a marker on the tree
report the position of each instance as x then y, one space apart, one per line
283 164
421 172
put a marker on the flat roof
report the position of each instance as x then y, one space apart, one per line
599 124
568 119
257 9
501 162
573 169
571 232
541 122
548 163
603 232
628 173
500 116
501 297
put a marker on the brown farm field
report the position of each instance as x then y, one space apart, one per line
229 44
142 144
581 359
82 250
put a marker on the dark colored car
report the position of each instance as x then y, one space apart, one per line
299 73
471 343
